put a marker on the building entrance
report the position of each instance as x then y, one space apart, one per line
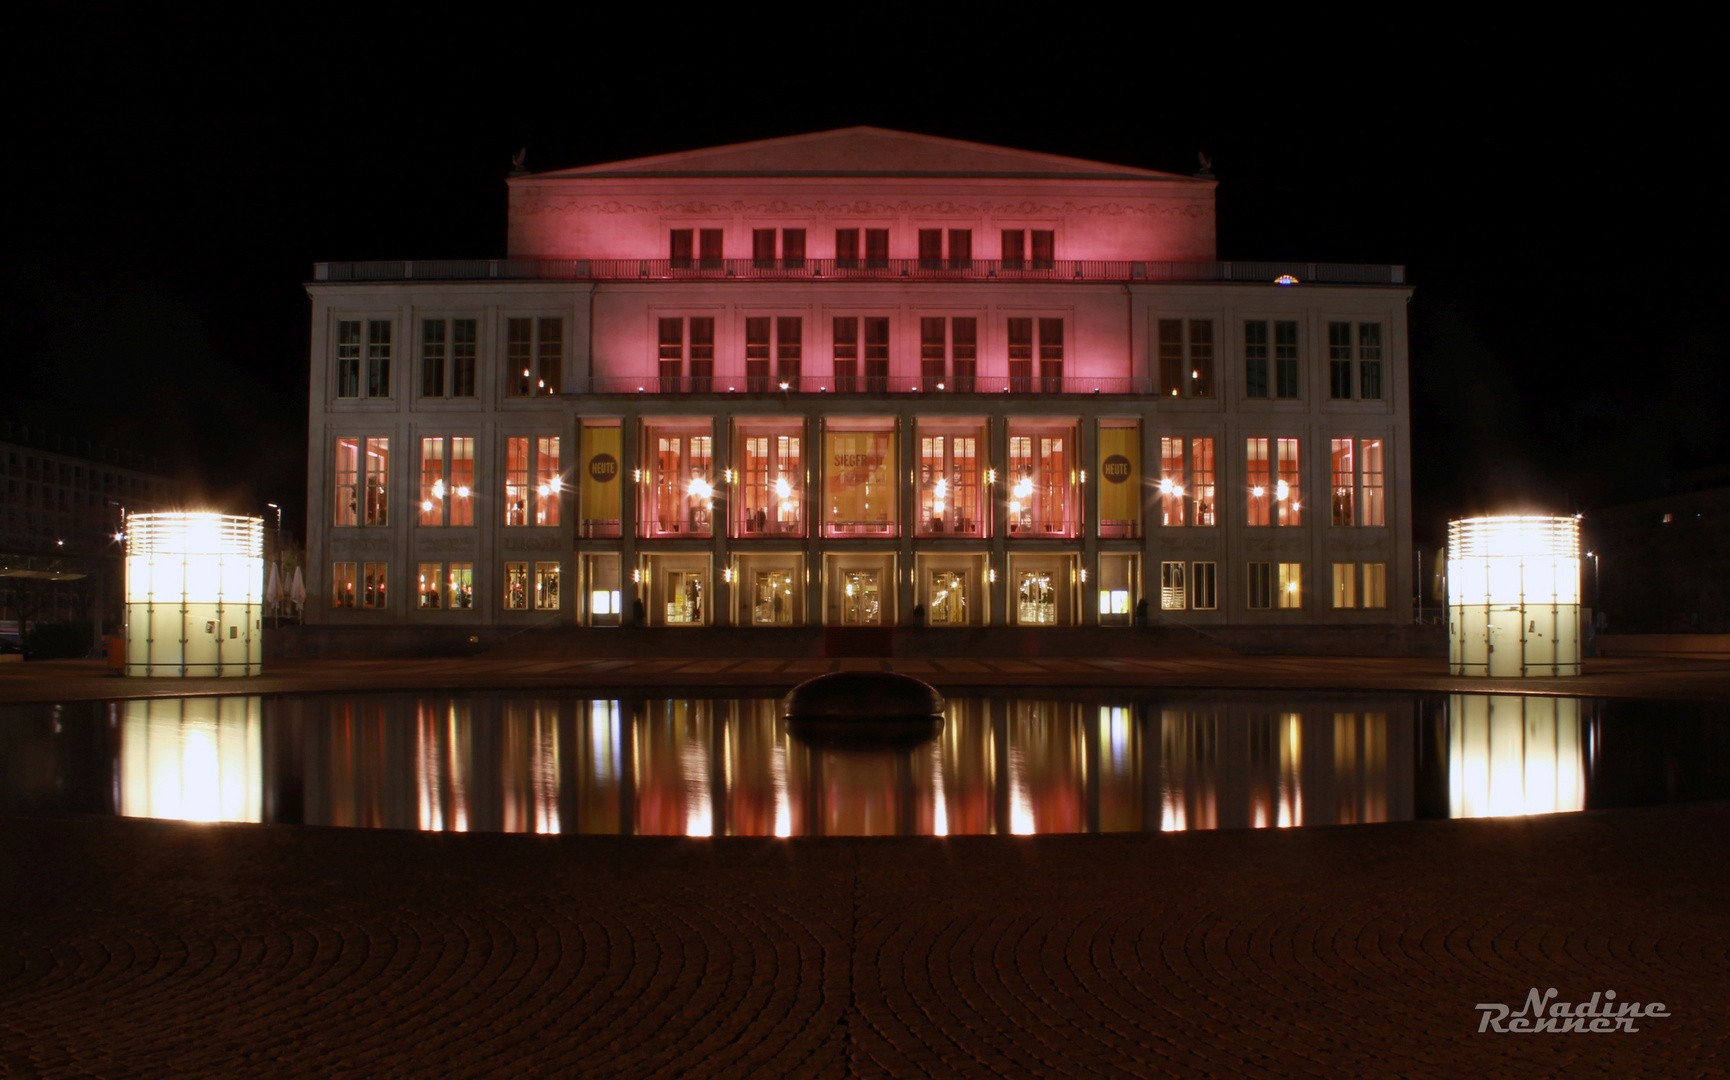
861 603
685 597
1036 598
948 598
773 601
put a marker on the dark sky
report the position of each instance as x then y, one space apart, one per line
1559 202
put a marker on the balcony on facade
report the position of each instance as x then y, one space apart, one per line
1051 270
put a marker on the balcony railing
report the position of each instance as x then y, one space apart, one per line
1051 270
860 384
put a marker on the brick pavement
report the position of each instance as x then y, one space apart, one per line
139 948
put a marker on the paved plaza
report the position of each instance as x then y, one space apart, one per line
147 948
139 948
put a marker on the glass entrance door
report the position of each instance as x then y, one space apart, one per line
1036 599
772 603
860 602
684 597
948 598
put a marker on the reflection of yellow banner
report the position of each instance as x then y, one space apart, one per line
1119 474
600 468
858 469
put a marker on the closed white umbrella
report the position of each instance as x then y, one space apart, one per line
273 589
297 592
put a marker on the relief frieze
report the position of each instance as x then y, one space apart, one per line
1023 208
445 543
347 546
535 543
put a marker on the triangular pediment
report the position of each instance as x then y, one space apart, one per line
862 151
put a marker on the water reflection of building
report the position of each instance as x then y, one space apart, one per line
1515 754
686 767
193 759
729 768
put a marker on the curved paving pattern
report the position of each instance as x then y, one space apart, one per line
132 948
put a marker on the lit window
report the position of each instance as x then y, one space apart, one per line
860 493
516 595
771 480
1036 598
362 481
373 585
1173 590
678 497
534 356
1186 358
534 484
342 577
1042 481
949 476
1375 594
1203 582
547 586
1290 593
1345 585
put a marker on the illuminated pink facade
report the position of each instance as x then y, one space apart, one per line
859 378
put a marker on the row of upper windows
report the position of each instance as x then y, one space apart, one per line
29 467
1182 586
860 348
867 247
677 485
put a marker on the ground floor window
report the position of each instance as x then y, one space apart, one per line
1117 589
1203 586
1290 585
772 598
342 585
547 586
601 573
1036 598
863 603
446 585
516 586
1173 589
859 589
365 589
948 589
1374 591
948 599
684 597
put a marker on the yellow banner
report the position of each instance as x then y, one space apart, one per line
859 478
600 473
1119 474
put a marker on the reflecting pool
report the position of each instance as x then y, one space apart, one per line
697 766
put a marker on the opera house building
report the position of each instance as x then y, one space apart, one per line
859 379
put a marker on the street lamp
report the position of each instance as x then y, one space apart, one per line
276 607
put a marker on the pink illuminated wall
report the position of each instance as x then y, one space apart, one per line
861 178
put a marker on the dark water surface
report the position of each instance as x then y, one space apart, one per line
696 766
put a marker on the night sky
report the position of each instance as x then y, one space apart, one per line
1560 208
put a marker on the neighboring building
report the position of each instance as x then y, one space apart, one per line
859 378
61 501
1663 565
